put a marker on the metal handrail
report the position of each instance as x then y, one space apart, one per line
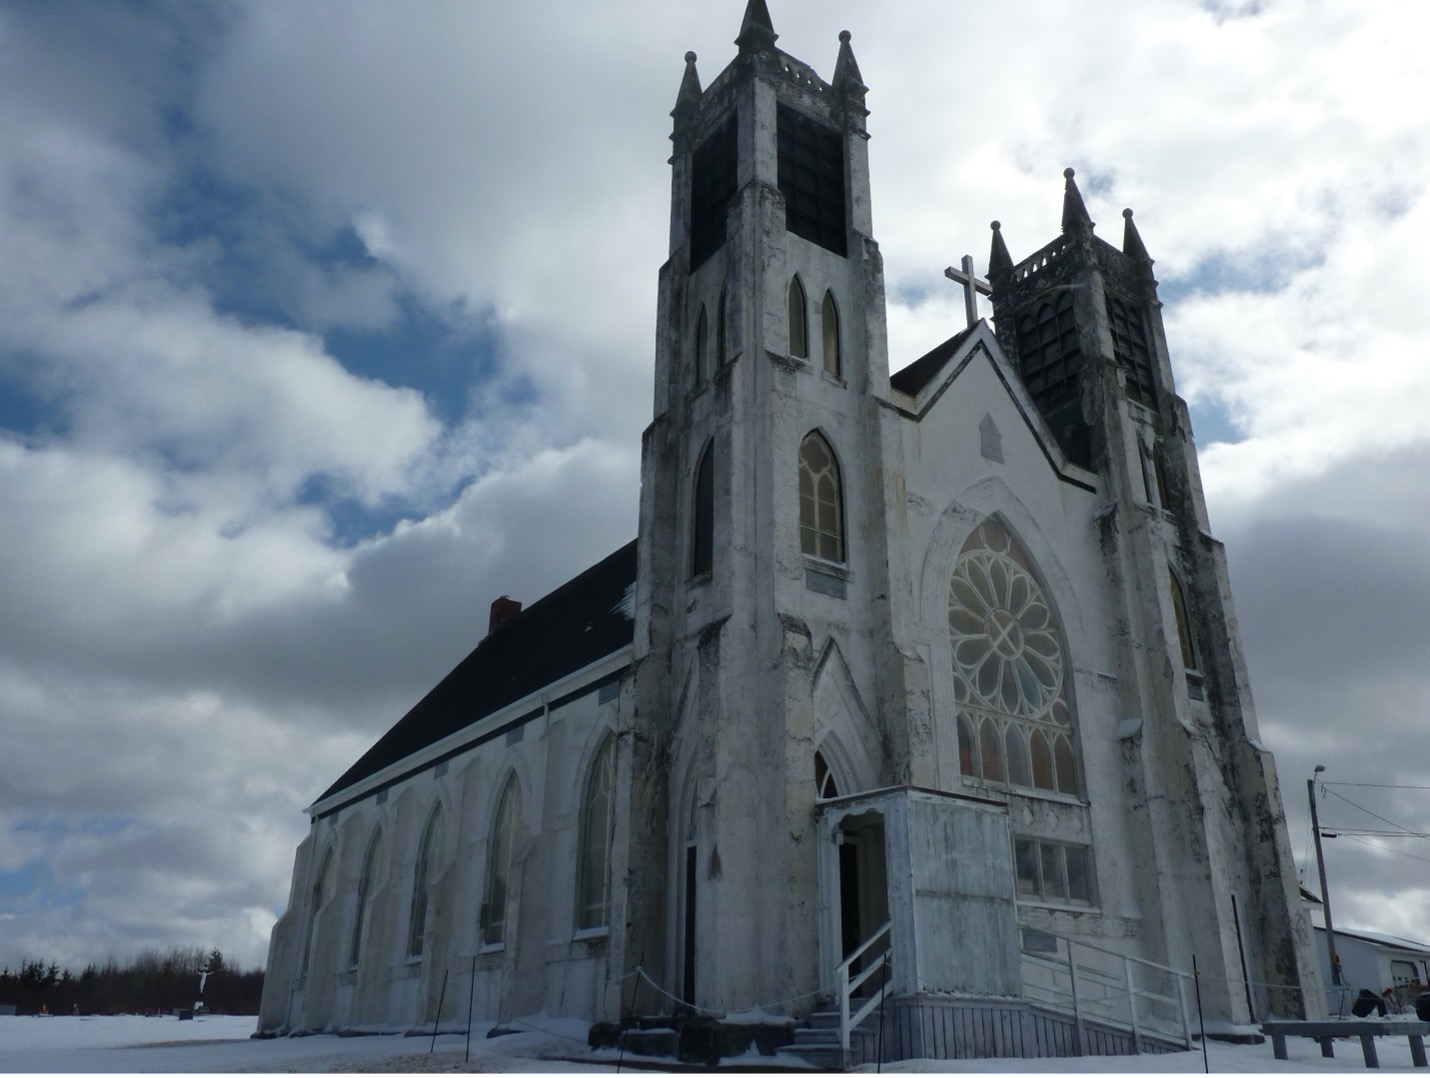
1110 990
846 984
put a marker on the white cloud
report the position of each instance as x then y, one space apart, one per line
188 653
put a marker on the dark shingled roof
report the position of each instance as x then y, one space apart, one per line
918 374
581 621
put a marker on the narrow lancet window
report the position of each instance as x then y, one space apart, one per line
798 321
315 906
821 501
703 524
428 854
503 843
364 895
833 358
702 347
593 901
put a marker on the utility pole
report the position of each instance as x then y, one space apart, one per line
1321 864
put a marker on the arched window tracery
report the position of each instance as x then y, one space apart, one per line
821 500
1009 668
824 783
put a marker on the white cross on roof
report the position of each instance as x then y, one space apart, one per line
973 286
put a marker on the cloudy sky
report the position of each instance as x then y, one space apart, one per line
322 325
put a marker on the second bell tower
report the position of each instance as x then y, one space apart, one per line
763 538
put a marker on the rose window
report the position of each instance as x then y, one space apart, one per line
1013 721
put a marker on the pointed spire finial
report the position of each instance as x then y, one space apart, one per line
999 261
757 31
1132 242
1075 216
846 68
690 90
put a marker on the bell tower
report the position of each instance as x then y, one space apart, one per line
1083 322
760 489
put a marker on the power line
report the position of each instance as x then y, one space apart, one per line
1376 785
1378 816
1387 849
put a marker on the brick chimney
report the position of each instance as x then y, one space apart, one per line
503 609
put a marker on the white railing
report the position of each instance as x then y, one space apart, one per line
1118 990
847 984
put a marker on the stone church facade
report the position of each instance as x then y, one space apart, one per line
942 663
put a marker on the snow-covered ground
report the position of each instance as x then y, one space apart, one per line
218 1043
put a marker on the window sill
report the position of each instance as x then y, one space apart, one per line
699 580
491 948
833 379
1053 905
831 568
584 935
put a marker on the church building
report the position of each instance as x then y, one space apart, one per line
920 691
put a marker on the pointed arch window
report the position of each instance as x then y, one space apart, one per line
364 895
1009 668
722 350
1190 666
702 546
833 356
429 852
702 348
798 320
594 897
821 500
496 908
317 898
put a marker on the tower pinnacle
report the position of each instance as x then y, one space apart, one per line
690 90
846 69
1132 245
757 31
1075 216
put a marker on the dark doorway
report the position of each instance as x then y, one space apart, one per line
688 973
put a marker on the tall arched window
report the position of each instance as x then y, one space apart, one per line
833 356
316 899
702 347
594 896
364 894
1184 627
1009 668
702 544
721 344
429 852
503 843
798 320
821 500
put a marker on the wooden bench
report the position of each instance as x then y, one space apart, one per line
1366 1030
